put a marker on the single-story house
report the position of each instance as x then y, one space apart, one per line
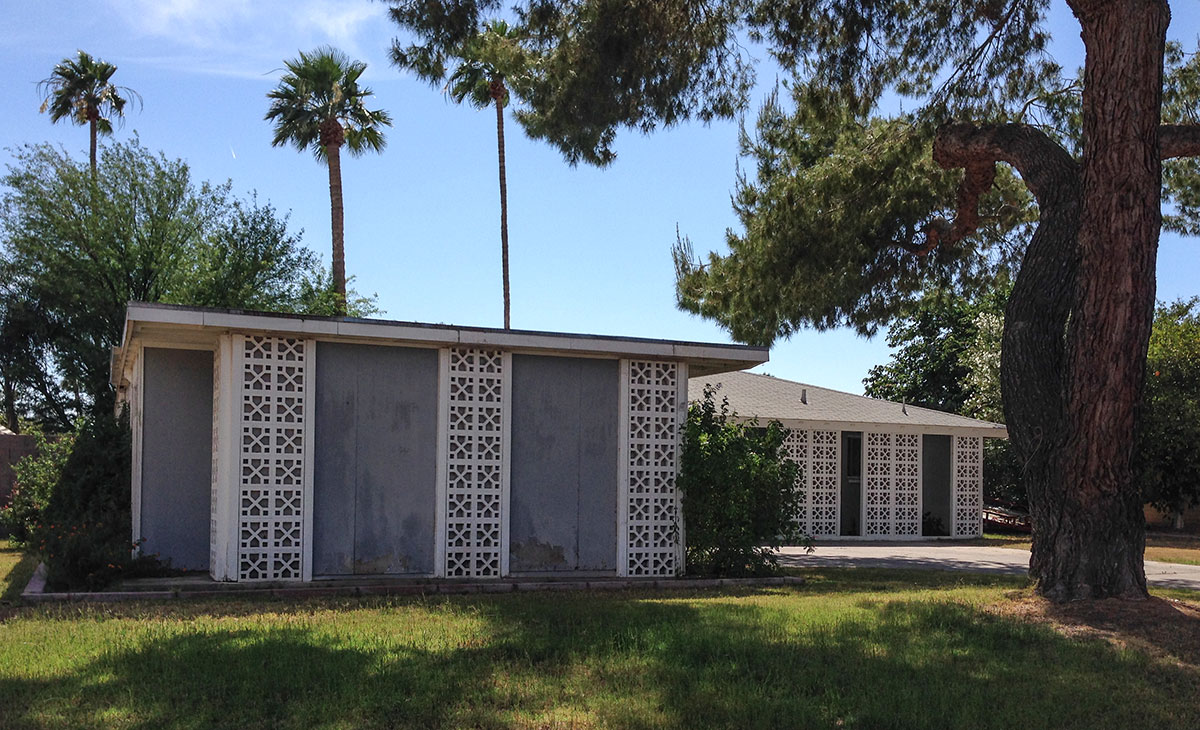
869 468
272 447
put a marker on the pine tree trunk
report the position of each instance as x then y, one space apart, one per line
1032 361
337 221
503 209
1089 533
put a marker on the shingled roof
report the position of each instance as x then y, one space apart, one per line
770 398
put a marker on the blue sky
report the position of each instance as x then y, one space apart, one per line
590 249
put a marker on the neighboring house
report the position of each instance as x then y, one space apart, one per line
869 468
274 447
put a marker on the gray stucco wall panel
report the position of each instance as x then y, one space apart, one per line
598 473
375 464
935 477
334 461
177 433
563 470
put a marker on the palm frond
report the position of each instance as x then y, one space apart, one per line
319 85
81 85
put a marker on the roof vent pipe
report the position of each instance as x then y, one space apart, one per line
804 396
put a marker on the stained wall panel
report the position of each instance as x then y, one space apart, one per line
564 479
374 483
177 437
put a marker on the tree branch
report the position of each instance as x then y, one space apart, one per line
1044 165
1179 140
977 180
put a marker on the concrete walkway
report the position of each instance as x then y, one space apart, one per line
945 555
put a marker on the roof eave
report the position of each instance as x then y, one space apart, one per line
703 358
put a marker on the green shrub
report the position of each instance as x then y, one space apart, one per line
1002 474
36 476
739 494
84 536
1166 462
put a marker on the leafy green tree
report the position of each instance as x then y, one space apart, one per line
946 356
1167 462
317 296
603 64
486 66
934 347
320 106
739 493
75 248
36 476
852 215
80 89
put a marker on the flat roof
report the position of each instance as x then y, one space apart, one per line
774 399
169 321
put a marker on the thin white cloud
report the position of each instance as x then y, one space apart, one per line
246 39
341 22
195 23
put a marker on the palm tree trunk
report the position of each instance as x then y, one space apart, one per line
92 132
337 221
503 207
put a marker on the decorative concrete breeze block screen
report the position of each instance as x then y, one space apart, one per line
475 461
271 462
653 509
892 474
968 486
817 453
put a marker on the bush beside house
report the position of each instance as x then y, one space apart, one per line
13 448
739 491
35 468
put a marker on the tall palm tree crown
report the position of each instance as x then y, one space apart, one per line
320 106
487 66
79 89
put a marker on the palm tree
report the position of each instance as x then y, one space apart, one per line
320 106
78 89
486 64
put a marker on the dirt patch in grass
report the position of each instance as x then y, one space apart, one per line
1164 628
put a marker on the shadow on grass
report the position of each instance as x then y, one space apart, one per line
760 659
841 579
15 576
1158 627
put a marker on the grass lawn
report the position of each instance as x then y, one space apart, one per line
1165 547
851 648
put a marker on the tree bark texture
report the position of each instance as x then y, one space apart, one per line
332 141
498 94
1078 320
1032 355
1092 547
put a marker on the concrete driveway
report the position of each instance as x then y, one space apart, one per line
945 555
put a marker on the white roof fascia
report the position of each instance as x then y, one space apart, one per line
884 427
737 356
